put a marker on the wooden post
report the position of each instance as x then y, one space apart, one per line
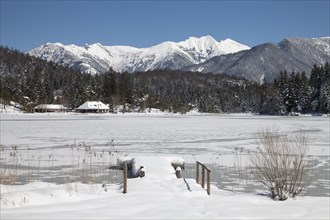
197 172
125 179
208 183
178 172
203 176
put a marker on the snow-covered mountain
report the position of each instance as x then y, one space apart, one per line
266 61
97 58
204 54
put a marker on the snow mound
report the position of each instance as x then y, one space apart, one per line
13 108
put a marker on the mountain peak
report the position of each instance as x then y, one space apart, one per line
49 44
207 47
228 40
206 38
198 43
166 55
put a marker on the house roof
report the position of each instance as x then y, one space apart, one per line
93 105
49 106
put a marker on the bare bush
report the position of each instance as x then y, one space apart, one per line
280 164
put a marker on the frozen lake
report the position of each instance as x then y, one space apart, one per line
211 139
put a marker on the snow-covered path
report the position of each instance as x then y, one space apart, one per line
160 177
157 195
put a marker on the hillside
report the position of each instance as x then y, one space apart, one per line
267 60
29 81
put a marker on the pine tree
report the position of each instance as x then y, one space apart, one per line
315 83
303 94
273 104
283 87
126 89
291 99
325 90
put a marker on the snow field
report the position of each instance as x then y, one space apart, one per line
151 139
157 195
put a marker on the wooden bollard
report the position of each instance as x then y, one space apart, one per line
142 172
125 179
178 172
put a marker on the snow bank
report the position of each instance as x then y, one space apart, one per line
10 109
157 195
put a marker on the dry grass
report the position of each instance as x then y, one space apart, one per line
280 164
82 163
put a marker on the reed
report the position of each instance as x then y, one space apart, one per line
83 162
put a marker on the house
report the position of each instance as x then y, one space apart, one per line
93 107
49 108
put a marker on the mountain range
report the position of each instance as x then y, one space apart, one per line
204 54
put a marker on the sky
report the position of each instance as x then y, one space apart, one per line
26 24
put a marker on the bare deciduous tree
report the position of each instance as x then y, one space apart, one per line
280 164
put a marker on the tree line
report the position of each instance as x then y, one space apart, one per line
30 81
295 92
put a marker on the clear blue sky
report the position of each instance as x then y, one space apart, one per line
28 24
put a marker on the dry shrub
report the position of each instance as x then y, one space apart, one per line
280 164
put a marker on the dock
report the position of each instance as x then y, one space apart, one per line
160 174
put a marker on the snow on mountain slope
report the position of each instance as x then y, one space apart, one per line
97 58
207 47
311 51
266 61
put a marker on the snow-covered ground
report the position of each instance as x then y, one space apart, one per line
59 142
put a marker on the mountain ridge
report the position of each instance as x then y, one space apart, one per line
203 54
96 58
266 61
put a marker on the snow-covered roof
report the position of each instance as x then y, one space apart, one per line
93 105
49 106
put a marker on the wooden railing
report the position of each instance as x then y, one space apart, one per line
208 180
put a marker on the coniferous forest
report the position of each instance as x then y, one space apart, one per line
30 81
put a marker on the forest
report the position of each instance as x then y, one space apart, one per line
30 81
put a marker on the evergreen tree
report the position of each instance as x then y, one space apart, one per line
273 104
325 90
303 94
315 83
283 87
291 99
126 89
